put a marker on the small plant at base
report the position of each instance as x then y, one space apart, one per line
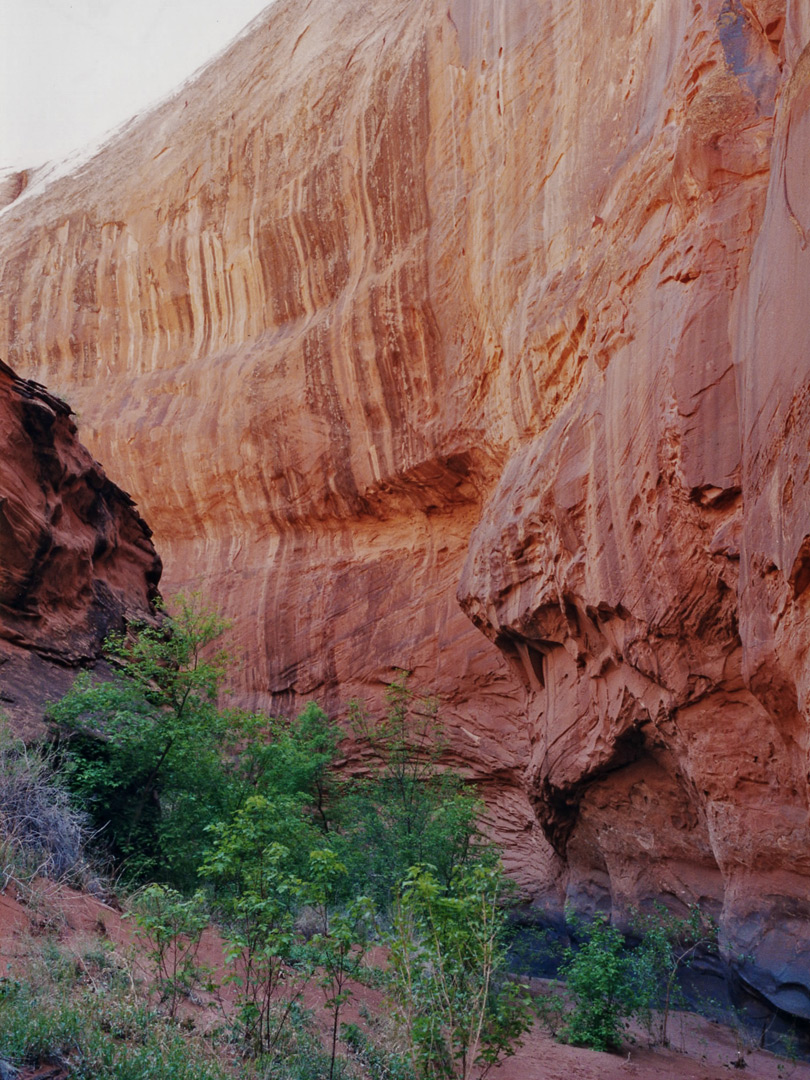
172 926
339 946
258 894
668 944
600 979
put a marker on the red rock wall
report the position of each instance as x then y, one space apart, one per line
76 559
469 337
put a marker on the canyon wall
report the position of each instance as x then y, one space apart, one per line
76 559
468 338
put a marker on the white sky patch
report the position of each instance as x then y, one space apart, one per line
72 70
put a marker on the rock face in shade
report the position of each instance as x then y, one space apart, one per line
470 337
75 557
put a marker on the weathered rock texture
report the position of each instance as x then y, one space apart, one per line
401 304
75 557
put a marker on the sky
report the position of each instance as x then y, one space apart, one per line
71 70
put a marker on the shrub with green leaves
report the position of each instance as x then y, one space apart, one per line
145 753
447 956
407 810
338 947
600 978
669 943
253 866
171 925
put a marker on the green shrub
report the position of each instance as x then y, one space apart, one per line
447 952
258 892
668 944
172 926
599 976
407 810
339 946
145 753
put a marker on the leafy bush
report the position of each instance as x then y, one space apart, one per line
172 927
253 872
145 752
447 950
610 982
340 944
668 944
407 810
600 979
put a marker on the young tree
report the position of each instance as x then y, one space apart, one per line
600 979
252 865
407 810
669 944
341 942
145 751
172 927
447 949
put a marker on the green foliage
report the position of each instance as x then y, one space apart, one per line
145 752
610 982
95 1035
668 944
158 764
172 926
340 944
600 979
293 759
406 811
254 872
446 952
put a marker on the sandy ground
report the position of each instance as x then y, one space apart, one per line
701 1050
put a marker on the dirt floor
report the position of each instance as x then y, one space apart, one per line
701 1049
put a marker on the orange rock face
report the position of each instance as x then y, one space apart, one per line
75 557
469 337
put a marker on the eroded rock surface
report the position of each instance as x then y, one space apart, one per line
76 559
470 337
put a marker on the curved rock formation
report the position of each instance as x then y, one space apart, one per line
75 557
404 304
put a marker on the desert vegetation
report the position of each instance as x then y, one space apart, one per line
315 881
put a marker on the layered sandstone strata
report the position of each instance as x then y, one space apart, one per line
469 337
76 559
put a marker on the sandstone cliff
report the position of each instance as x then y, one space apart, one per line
75 557
469 337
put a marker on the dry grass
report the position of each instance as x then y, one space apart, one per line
41 833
